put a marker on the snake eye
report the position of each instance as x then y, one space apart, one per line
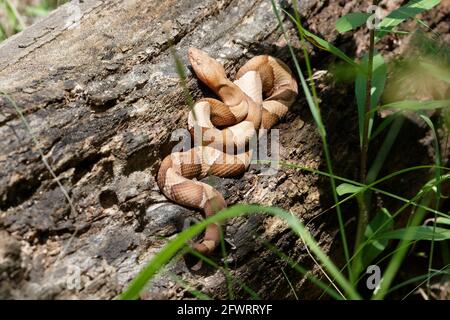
207 69
195 56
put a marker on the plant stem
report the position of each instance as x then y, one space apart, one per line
305 54
320 125
365 144
363 218
16 14
401 250
363 221
437 173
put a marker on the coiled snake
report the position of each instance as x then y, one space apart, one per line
260 96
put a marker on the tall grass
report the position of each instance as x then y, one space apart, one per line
315 111
164 256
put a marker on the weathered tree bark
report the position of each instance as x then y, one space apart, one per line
102 98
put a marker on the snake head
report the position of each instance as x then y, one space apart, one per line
207 69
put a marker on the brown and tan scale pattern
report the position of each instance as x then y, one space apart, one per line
260 96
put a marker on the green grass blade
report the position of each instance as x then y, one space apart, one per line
14 16
379 76
410 10
437 173
383 125
434 273
417 233
166 253
370 248
403 246
289 283
227 273
335 294
371 186
315 111
3 35
416 105
385 148
351 21
347 188
224 257
180 69
47 165
36 11
382 222
324 45
408 203
195 292
306 54
436 71
441 220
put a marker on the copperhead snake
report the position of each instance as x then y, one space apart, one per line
260 96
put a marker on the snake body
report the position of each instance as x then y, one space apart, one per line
260 96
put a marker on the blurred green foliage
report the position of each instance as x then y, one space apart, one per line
17 15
